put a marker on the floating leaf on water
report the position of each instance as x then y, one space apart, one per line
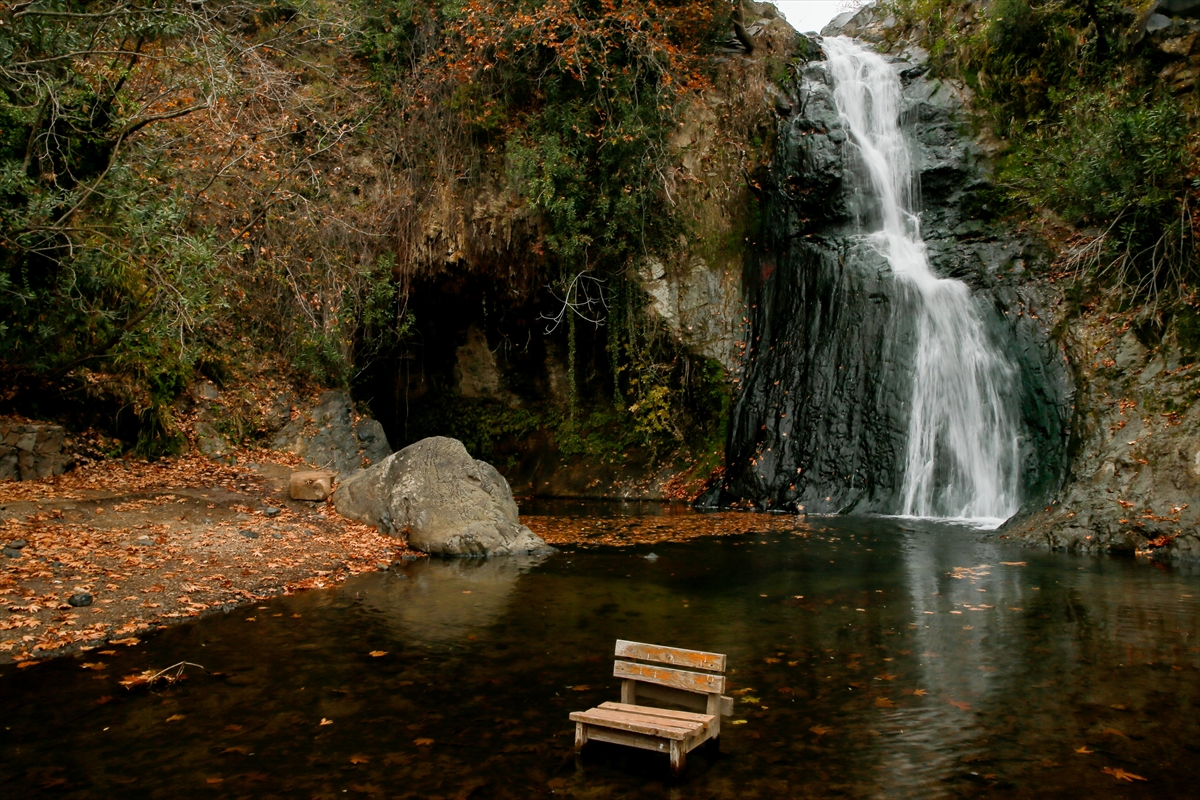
377 653
423 742
326 721
359 758
820 730
884 702
176 717
1121 774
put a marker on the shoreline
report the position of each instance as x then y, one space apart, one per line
144 546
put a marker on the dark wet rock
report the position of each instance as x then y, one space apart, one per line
248 534
327 435
17 544
80 599
10 552
272 511
442 500
820 420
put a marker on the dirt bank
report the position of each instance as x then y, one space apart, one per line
157 544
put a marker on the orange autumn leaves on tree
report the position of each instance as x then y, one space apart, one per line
492 45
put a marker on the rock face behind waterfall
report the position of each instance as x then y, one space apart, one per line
821 420
446 502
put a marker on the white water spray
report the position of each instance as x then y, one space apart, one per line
962 459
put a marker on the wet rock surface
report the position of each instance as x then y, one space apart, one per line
1134 482
820 422
441 499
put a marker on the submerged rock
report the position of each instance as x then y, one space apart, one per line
444 501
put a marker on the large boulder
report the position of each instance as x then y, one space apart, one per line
441 499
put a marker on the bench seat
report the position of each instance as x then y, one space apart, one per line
663 730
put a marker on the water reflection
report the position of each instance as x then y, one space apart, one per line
870 658
447 601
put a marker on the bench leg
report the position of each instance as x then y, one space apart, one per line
678 756
580 736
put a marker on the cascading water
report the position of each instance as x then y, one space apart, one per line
963 456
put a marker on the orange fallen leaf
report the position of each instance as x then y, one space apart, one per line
960 705
175 717
422 742
106 652
919 692
326 721
240 749
820 730
214 781
1121 774
1113 732
884 702
359 759
97 665
581 688
377 653
1084 750
24 664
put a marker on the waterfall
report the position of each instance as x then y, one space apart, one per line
962 457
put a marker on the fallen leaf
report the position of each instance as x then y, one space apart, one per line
359 759
1121 774
326 721
175 717
820 730
1113 732
377 653
919 692
239 749
24 664
106 652
884 702
423 742
1084 750
214 781
94 665
737 722
960 705
581 688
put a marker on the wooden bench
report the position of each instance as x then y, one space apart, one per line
698 689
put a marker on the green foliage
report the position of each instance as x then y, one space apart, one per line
98 272
480 424
1093 135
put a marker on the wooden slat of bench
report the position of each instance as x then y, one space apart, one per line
666 676
638 723
666 713
675 656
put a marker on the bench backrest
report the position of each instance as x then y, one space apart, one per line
656 672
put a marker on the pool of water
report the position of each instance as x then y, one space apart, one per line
869 658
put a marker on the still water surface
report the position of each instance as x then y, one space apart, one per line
870 658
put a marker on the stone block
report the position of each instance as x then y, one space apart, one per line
311 485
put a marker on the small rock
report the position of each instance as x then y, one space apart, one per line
310 485
651 556
80 599
11 553
248 534
276 535
144 541
381 567
18 544
272 511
